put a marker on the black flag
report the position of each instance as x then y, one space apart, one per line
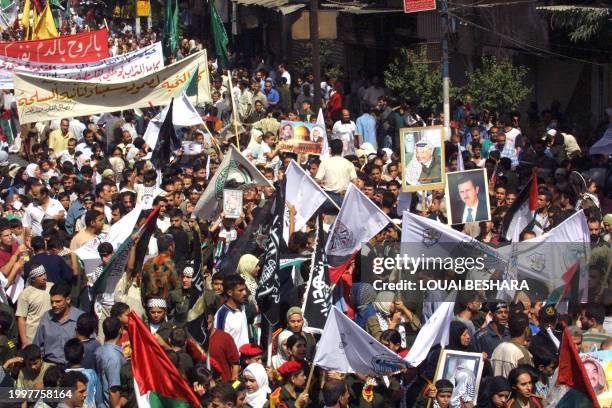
268 292
167 142
198 330
318 296
248 242
142 247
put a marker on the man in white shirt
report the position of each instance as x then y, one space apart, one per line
335 173
284 73
231 316
41 208
345 130
76 127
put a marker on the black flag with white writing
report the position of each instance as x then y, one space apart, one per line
318 297
268 291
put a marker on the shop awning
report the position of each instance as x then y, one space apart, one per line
282 6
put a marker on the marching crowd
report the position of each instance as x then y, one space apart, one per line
63 183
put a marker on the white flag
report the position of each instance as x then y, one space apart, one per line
545 258
511 272
234 167
358 221
117 233
404 201
549 256
434 332
603 145
422 236
325 148
183 114
460 165
347 348
304 194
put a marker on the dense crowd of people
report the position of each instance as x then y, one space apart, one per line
64 183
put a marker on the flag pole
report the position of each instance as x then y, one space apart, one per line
235 115
270 333
312 367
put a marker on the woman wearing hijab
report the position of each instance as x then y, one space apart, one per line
256 381
19 181
33 171
496 393
363 295
255 142
282 353
84 159
248 268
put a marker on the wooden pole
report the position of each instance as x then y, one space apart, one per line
307 389
235 111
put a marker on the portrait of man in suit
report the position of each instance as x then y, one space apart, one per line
468 196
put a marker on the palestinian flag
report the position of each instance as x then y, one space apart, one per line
570 278
114 270
234 168
573 388
6 128
522 211
157 382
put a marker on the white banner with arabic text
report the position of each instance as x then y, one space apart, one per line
123 67
41 98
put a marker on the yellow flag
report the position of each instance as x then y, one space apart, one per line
45 27
25 19
34 23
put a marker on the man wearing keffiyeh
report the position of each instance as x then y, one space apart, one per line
33 303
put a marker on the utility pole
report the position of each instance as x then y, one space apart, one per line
445 74
316 53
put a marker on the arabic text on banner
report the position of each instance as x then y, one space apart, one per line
68 49
40 98
123 67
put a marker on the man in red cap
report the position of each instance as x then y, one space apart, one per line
292 393
250 353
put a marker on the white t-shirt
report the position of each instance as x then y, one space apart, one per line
346 133
336 173
234 323
287 75
34 215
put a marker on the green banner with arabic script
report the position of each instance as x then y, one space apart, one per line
41 98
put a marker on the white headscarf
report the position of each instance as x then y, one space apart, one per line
389 153
83 157
281 358
258 398
31 170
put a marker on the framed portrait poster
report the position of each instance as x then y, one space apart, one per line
232 203
422 158
467 196
301 137
464 370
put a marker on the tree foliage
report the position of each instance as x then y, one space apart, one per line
414 80
304 65
498 85
582 23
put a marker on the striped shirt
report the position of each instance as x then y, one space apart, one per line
592 339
